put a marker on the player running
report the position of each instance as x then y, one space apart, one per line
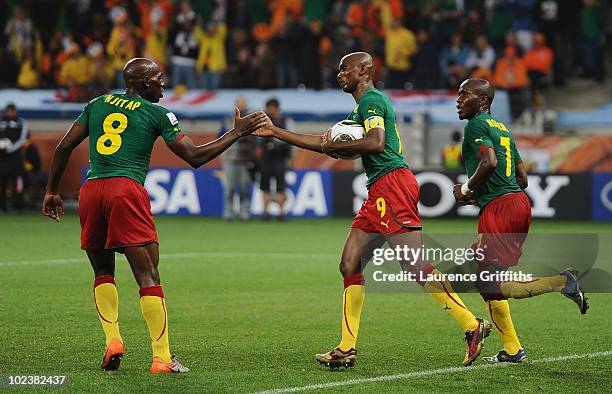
389 214
496 179
114 207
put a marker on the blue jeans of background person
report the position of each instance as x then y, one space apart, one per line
286 75
593 59
211 80
183 74
237 178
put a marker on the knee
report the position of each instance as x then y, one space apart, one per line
348 267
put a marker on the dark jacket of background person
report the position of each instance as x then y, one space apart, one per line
13 133
274 149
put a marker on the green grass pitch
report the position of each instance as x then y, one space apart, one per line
250 304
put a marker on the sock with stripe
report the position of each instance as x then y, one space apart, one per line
106 300
153 306
501 319
516 289
442 292
352 303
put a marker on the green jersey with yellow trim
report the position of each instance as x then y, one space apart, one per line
374 110
483 131
122 131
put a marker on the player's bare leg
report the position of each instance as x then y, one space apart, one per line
358 250
106 300
476 329
266 206
281 198
144 261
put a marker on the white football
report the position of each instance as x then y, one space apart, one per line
347 130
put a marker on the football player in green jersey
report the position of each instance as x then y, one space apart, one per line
389 214
497 176
114 207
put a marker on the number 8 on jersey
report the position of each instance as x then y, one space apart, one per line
112 132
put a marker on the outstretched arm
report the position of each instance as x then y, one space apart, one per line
373 142
53 206
198 155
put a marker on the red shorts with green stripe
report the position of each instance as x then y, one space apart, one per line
115 213
391 206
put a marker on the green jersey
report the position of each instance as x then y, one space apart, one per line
374 110
483 131
122 131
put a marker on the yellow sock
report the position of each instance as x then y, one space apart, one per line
500 316
153 306
107 305
352 302
445 296
551 284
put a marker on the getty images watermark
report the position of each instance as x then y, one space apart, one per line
459 256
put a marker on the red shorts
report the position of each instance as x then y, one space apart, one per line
115 213
503 227
391 206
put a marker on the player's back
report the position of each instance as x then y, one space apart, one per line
484 131
122 131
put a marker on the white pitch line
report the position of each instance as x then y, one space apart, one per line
271 255
418 374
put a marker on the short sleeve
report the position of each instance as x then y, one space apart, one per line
477 136
169 127
372 110
83 118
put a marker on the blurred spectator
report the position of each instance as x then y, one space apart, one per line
363 15
453 61
122 44
75 71
316 10
539 60
28 75
9 68
309 64
286 44
238 164
426 63
155 15
400 46
240 74
13 133
451 153
593 22
511 74
500 20
264 67
522 22
19 31
273 162
156 43
100 69
481 55
212 61
185 47
35 179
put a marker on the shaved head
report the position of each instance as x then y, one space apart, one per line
138 68
361 59
481 88
143 78
475 96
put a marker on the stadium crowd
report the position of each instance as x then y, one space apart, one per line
423 44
